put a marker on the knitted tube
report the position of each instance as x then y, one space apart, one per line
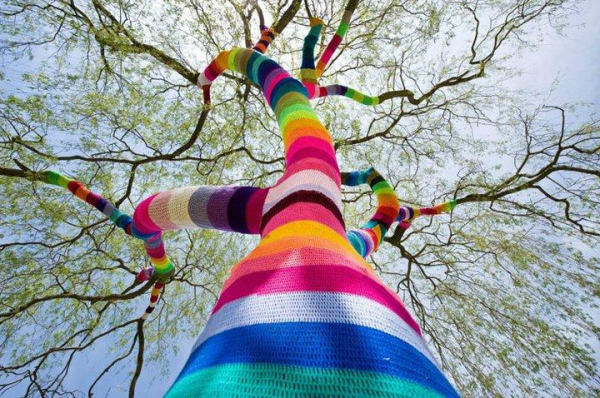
303 306
303 312
267 36
334 43
367 239
407 214
228 208
308 74
153 243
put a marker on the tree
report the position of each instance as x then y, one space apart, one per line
504 287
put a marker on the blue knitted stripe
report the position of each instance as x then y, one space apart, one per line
323 345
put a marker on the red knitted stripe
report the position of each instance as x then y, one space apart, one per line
73 185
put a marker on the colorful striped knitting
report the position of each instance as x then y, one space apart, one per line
309 75
303 313
408 214
153 242
367 239
233 209
267 35
337 38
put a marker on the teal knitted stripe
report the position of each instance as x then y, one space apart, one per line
267 380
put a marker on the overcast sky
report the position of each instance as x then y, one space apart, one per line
574 58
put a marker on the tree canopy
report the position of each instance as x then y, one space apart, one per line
104 91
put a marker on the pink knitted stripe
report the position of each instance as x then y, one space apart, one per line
333 45
254 210
141 218
312 89
157 252
404 225
307 152
304 256
323 278
310 142
305 211
212 71
271 81
311 164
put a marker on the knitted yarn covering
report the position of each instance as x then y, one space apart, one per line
303 313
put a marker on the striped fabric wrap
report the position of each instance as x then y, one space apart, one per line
408 214
267 35
303 313
228 208
309 75
231 208
367 239
162 266
153 241
335 41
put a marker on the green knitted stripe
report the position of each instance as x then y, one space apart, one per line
164 270
231 60
268 380
293 108
289 99
54 178
368 100
342 29
383 186
301 114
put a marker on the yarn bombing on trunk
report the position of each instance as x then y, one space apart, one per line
303 314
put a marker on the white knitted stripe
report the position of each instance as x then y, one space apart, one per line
322 307
159 212
303 187
146 313
203 80
304 180
178 207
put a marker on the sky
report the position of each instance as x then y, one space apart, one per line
573 58
564 69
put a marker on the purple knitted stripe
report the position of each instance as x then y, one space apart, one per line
217 208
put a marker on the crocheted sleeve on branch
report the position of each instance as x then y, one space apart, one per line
228 208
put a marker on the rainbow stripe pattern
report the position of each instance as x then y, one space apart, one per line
267 35
367 239
309 75
303 313
408 214
162 267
